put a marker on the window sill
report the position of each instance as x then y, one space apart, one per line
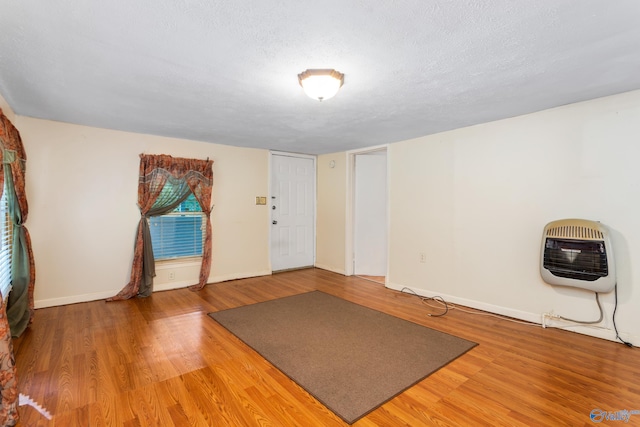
178 262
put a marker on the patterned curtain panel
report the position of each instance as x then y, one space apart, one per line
201 186
20 306
12 158
155 172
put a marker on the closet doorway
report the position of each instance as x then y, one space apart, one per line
369 214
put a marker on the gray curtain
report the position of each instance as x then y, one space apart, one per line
18 313
174 192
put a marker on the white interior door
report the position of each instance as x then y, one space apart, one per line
292 212
370 214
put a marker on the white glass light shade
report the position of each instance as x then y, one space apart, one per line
321 84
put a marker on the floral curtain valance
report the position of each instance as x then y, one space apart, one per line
155 172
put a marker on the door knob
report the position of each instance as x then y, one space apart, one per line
274 222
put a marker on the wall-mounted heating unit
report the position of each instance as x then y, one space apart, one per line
578 253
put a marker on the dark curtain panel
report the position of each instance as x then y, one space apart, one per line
18 307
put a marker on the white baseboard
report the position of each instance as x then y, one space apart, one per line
173 285
593 331
236 276
604 333
328 268
496 309
74 299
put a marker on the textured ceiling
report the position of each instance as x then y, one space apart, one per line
226 71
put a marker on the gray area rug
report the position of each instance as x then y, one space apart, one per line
349 357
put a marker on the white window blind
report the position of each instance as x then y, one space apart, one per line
180 233
6 243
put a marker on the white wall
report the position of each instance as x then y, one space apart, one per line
82 192
331 212
475 200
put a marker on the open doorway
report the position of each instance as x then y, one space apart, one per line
369 226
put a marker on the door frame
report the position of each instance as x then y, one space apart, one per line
350 207
315 196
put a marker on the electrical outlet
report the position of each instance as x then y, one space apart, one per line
172 275
423 257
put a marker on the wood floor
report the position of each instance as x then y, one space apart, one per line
161 361
377 279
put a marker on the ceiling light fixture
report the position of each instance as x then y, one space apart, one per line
321 84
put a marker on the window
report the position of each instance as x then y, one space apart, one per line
6 246
178 234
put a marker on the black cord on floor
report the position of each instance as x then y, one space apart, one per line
436 298
441 300
615 308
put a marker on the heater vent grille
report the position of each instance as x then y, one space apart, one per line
575 259
577 253
575 232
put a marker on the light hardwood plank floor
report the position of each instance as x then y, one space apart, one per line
161 361
377 279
